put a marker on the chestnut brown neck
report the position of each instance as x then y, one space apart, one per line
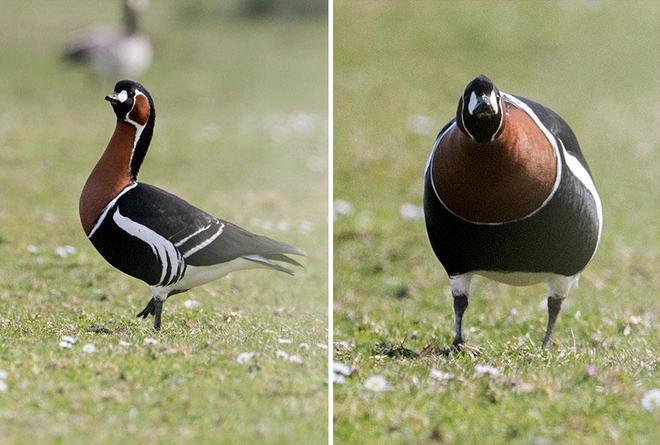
498 181
109 177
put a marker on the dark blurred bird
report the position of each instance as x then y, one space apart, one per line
508 195
113 53
151 234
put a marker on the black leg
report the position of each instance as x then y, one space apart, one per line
158 309
554 306
149 310
460 304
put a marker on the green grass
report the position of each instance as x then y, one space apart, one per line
596 64
230 96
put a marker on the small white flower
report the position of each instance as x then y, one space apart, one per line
65 251
50 218
32 248
410 211
342 208
305 227
69 339
486 369
3 374
338 379
322 346
244 357
89 348
192 304
651 399
65 345
3 386
281 354
303 346
376 383
124 344
267 226
341 368
626 330
440 375
295 359
420 124
284 341
150 341
634 319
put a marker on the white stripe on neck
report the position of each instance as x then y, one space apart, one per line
138 129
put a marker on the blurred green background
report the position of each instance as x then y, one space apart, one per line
399 69
240 90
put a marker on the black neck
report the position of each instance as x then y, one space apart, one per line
142 144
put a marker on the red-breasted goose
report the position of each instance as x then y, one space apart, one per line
151 234
508 195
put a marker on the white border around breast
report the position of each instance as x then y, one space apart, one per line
549 136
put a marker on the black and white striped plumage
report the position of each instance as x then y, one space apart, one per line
173 246
154 235
550 244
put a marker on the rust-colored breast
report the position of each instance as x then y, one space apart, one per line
498 181
109 177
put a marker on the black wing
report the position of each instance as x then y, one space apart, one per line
202 239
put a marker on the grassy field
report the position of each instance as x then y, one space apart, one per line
400 68
241 132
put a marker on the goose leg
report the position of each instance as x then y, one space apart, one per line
460 304
460 290
148 310
559 286
554 306
158 309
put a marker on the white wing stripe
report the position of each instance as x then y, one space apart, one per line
179 243
161 247
206 242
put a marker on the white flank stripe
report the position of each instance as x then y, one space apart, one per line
161 247
206 242
583 176
107 208
178 243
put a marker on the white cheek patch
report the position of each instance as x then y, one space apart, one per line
493 102
122 96
472 105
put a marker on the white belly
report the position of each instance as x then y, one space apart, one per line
517 278
198 275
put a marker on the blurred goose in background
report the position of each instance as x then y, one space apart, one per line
113 53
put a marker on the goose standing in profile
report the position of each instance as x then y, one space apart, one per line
151 234
113 53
